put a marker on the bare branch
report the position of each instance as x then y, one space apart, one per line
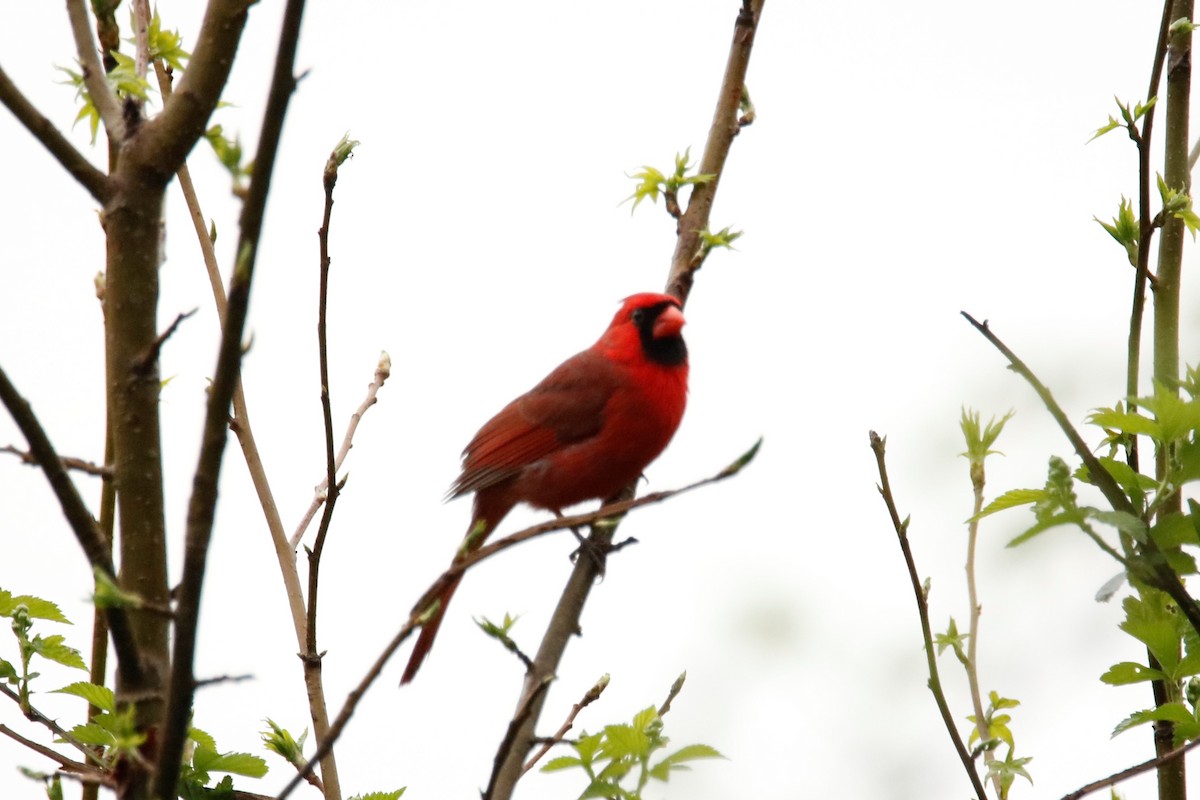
935 684
226 375
592 695
78 517
383 371
68 462
74 162
1137 769
46 722
49 753
725 126
94 76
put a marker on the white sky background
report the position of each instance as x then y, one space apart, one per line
909 161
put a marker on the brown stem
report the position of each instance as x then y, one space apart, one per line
725 126
74 162
1146 228
201 507
878 445
312 659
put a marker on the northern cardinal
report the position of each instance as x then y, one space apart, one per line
584 433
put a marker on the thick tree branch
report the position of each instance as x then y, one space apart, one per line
878 445
74 162
201 507
164 141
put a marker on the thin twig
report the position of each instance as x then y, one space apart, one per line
68 462
1137 769
94 76
94 545
201 508
240 424
74 162
49 753
878 445
383 371
588 698
50 725
149 359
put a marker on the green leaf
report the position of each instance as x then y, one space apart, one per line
1151 620
1065 518
952 638
691 752
1131 481
1127 672
561 762
35 607
92 733
379 795
1122 521
742 460
980 438
1169 712
1174 530
1112 125
53 649
1011 499
238 764
1126 422
99 696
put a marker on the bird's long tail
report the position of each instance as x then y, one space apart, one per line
429 632
490 508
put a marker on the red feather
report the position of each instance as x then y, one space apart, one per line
585 432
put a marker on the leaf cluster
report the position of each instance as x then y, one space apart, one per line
620 760
652 182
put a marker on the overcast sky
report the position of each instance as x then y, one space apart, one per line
910 160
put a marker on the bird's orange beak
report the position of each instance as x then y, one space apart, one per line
669 323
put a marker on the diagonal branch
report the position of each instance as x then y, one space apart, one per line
726 124
419 612
510 761
74 162
1136 769
1160 573
201 507
78 517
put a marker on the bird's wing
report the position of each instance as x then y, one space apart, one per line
565 408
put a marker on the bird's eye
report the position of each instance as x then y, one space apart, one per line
638 316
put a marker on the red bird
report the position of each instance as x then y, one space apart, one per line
584 433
